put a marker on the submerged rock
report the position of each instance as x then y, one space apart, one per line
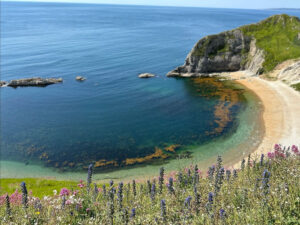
80 78
2 83
146 75
35 81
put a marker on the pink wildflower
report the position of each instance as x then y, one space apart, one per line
277 147
271 155
68 202
64 191
295 149
81 185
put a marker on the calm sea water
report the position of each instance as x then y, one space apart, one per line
113 115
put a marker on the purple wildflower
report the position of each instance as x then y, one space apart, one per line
222 214
163 209
24 195
89 177
161 179
132 215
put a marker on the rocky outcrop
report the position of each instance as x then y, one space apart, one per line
146 75
2 83
80 78
290 74
227 51
238 49
36 81
255 59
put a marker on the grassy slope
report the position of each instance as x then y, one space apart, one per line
277 36
246 199
39 187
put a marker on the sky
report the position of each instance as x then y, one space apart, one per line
244 4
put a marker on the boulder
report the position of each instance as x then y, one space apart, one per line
146 75
80 78
35 81
2 83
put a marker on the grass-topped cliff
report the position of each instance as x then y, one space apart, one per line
266 190
256 47
278 36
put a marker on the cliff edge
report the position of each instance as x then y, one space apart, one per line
257 48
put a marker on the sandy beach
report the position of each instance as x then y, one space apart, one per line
281 111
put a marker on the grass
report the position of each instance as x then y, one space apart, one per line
40 187
296 86
264 191
278 37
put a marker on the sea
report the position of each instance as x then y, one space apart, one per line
124 125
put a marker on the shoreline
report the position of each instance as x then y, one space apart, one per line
276 123
282 125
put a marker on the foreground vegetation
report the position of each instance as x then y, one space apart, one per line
264 191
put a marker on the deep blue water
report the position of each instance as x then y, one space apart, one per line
113 115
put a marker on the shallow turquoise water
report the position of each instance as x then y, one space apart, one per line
113 115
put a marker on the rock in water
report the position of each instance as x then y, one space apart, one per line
2 83
35 81
146 75
80 78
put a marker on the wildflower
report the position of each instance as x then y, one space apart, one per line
54 192
111 183
222 214
243 164
219 180
187 202
63 203
81 185
38 205
89 177
277 147
163 209
170 186
211 171
64 191
197 202
196 175
120 195
132 215
271 155
210 202
228 174
8 210
249 161
96 191
153 191
210 197
161 179
219 164
149 186
24 195
295 149
262 159
134 187
111 211
265 181
125 216
180 178
235 175
104 189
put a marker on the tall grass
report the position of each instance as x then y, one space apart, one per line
265 190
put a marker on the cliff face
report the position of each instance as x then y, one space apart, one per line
226 51
244 48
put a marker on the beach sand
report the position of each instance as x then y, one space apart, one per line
281 115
